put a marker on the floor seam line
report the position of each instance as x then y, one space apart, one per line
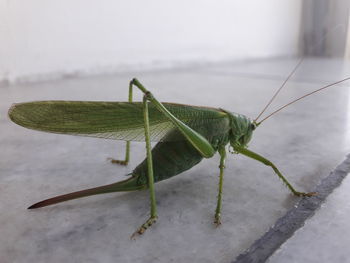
295 218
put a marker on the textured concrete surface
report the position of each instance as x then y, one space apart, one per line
294 219
325 237
306 141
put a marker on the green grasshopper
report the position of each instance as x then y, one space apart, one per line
185 134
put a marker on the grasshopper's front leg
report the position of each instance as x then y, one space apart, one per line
260 158
217 218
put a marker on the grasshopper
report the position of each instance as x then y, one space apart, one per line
185 134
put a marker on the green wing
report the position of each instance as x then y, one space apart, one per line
111 120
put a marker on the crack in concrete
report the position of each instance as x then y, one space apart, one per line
294 219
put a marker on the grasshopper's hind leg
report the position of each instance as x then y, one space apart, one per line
217 217
127 150
201 144
127 156
153 217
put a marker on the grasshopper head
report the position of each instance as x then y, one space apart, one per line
241 130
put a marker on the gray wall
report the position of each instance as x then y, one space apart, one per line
324 28
50 38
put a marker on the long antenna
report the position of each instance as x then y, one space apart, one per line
304 96
280 88
293 71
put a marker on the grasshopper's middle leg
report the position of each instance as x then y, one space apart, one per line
153 217
217 217
127 150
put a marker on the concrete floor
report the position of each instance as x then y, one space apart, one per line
325 237
306 141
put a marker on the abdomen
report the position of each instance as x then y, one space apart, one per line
169 159
173 156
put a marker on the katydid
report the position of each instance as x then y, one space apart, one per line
185 134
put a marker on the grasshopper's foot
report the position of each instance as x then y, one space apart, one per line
120 162
144 227
301 194
217 220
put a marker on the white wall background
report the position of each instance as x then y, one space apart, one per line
50 38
